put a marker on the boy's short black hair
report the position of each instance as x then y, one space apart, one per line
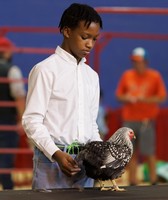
79 12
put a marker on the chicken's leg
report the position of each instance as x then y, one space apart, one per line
102 188
115 187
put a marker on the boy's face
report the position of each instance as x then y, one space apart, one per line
81 40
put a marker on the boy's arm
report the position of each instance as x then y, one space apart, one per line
39 92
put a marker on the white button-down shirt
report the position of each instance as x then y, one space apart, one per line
62 103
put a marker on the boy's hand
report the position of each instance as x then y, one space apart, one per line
66 163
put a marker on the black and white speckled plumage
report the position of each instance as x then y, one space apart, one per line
107 160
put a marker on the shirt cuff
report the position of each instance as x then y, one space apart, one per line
51 149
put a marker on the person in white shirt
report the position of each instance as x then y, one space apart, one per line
62 102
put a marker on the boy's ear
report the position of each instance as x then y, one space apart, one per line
66 31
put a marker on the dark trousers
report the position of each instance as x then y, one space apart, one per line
8 139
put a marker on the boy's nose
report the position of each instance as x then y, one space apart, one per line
90 44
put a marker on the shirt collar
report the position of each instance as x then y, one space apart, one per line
67 56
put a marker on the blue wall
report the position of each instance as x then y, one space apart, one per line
115 56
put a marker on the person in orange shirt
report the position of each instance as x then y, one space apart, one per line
141 90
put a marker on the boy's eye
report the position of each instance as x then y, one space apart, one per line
84 37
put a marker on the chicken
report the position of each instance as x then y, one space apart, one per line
107 160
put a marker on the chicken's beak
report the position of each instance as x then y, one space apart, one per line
134 137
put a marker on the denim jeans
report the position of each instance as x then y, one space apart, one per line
47 175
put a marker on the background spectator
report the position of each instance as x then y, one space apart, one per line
141 89
13 92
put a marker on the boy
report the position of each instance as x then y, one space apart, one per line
62 102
